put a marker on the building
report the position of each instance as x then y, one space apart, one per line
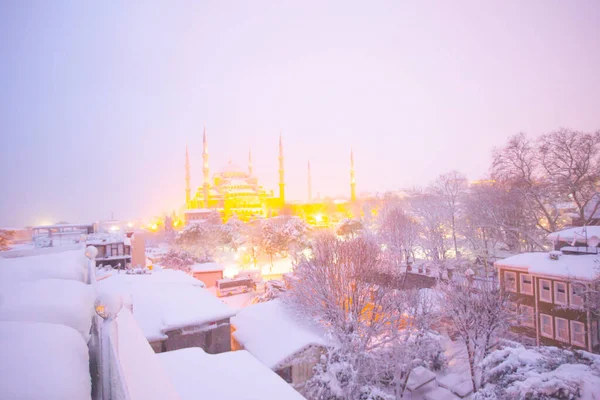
208 273
233 190
548 293
114 249
283 343
60 234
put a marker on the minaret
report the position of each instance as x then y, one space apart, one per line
352 180
250 162
281 173
309 183
205 169
188 190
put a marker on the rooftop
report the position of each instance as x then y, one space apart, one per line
232 375
207 267
163 304
271 333
572 266
579 233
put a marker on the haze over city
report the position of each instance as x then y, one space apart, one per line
99 101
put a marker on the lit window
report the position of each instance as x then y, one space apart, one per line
577 291
510 281
526 284
526 315
560 293
545 293
562 329
546 326
577 333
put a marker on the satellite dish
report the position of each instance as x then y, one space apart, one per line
594 241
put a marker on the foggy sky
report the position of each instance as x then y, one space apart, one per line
98 100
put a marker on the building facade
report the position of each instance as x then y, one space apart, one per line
547 294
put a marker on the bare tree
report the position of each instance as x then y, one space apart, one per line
517 166
478 313
399 232
450 189
571 160
376 329
428 209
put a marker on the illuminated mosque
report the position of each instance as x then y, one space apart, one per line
235 190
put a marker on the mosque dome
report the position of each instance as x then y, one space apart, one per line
232 169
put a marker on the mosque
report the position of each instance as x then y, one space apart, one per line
235 190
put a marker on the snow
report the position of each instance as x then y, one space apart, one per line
236 301
419 377
43 361
163 304
207 267
271 333
572 266
70 264
440 394
232 375
58 301
139 363
579 232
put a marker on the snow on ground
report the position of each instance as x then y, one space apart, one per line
145 376
58 301
160 305
40 360
575 266
236 301
61 265
270 332
232 375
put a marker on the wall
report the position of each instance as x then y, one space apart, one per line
209 278
213 341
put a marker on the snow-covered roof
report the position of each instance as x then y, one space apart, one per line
163 305
60 265
579 232
271 333
207 267
43 361
57 301
107 238
571 266
232 375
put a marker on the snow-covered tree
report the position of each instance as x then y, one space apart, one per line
571 160
399 233
544 373
350 228
478 314
180 260
380 333
234 233
201 240
518 167
428 208
450 189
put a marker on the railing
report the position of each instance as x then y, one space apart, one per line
119 350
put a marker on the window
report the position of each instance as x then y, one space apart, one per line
560 293
512 310
546 326
510 281
526 315
595 333
577 333
545 293
526 284
577 290
562 329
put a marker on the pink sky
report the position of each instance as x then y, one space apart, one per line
99 100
